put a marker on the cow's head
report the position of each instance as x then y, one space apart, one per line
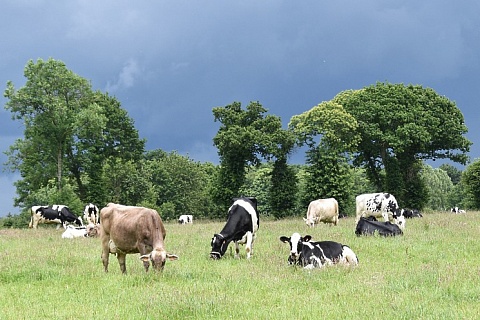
400 221
219 246
309 222
295 242
391 204
158 257
93 230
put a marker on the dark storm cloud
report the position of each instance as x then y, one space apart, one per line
170 63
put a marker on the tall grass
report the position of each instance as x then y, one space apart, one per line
432 272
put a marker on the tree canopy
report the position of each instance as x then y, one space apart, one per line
399 127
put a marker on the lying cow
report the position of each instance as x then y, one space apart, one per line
378 205
369 226
91 214
322 210
409 213
59 214
74 232
128 229
185 219
241 227
311 255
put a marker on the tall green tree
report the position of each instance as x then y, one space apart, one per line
331 135
245 138
400 126
68 131
439 187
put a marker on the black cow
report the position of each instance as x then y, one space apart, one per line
310 255
53 214
368 227
242 224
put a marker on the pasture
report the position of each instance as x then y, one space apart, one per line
432 272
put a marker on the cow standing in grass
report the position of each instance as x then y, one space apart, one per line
128 229
322 210
59 214
91 214
241 227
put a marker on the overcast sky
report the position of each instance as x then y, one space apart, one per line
170 62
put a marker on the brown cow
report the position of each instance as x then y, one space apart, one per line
127 229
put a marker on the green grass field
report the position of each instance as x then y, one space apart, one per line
432 272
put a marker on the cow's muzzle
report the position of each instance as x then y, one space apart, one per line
215 255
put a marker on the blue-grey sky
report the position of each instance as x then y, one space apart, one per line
170 62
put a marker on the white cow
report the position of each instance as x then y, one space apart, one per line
74 232
322 210
185 218
379 205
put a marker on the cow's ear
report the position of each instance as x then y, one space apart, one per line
284 239
145 257
307 238
172 257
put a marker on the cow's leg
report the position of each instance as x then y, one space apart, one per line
249 244
121 257
105 252
385 216
237 249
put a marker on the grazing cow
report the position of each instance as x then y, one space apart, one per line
91 214
74 232
310 255
322 210
128 229
185 218
366 226
378 205
52 214
241 227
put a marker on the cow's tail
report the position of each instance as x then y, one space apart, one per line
30 225
350 256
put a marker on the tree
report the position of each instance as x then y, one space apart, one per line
331 135
400 126
70 131
439 187
244 139
50 106
471 182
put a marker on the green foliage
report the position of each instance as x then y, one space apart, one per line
455 174
244 138
471 182
328 173
70 131
439 187
398 126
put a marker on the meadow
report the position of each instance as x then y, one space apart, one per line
431 272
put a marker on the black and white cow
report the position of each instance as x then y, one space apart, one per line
91 214
311 255
368 226
53 214
241 227
185 219
409 213
379 205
